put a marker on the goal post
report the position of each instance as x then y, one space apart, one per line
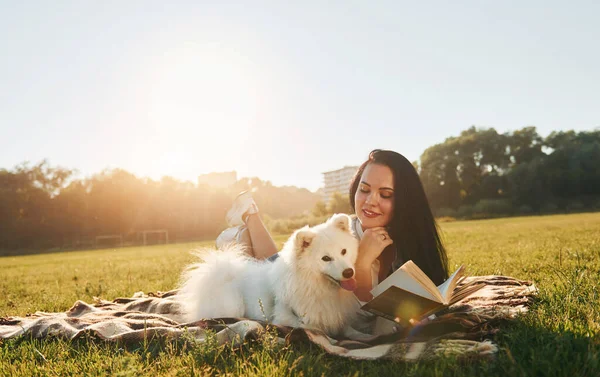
145 234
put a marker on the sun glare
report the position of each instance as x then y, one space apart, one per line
203 98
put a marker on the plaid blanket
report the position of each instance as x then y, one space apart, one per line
463 329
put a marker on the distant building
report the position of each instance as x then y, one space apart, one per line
337 181
222 179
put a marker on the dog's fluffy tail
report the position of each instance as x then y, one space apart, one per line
209 288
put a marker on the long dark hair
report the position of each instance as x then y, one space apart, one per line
412 228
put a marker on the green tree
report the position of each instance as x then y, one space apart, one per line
339 203
320 209
525 145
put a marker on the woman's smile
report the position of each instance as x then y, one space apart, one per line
370 214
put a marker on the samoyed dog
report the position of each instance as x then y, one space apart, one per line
309 285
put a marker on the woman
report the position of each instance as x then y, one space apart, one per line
393 222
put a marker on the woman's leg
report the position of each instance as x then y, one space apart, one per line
262 244
247 228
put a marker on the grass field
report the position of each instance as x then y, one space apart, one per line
558 337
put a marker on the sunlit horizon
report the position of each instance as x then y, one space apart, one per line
283 92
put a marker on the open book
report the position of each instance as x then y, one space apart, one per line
409 294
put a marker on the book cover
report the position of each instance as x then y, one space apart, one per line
409 294
396 302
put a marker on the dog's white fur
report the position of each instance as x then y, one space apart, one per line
298 289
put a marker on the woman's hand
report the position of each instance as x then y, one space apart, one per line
371 245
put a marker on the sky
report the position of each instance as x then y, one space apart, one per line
279 90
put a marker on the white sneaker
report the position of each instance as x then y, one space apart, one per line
238 235
226 237
243 205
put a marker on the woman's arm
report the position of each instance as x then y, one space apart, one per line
364 283
372 244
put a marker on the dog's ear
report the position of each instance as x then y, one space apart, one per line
341 221
304 237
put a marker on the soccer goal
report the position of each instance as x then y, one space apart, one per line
158 232
117 237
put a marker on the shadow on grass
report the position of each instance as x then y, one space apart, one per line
524 350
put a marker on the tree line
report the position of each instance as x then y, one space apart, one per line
42 206
482 172
479 173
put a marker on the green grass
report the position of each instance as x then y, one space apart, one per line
558 337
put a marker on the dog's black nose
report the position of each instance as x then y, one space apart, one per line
348 273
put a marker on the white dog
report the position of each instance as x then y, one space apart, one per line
309 285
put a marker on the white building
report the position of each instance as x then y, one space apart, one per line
337 181
221 180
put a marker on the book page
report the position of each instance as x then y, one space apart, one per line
411 268
404 280
398 303
447 287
